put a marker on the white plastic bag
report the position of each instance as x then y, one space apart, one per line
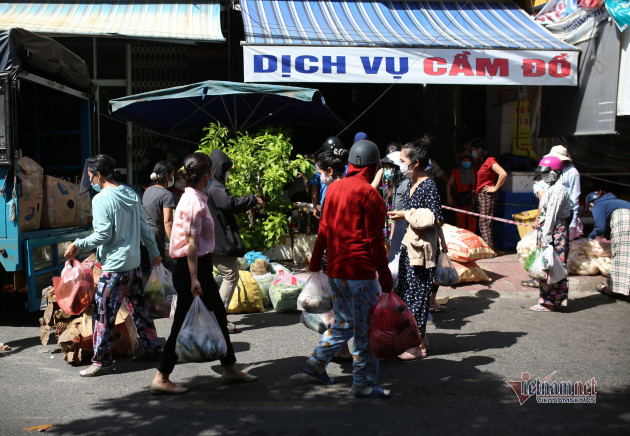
553 266
537 268
393 268
316 296
159 292
445 273
201 338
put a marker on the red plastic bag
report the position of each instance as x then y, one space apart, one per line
74 287
393 329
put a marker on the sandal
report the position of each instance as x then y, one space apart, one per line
541 308
377 392
603 288
322 377
533 283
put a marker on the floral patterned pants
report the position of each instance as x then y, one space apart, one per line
353 301
112 288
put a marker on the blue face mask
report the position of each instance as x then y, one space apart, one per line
209 184
388 173
474 154
96 187
466 165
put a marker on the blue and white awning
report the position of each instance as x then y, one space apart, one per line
478 42
145 19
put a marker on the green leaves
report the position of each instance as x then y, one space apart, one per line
262 166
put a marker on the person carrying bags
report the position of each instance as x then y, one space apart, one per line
351 230
119 225
192 241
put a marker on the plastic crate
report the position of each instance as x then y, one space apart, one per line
527 217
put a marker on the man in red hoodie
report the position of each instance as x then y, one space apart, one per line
351 230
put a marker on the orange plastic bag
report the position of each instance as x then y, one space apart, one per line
74 287
393 329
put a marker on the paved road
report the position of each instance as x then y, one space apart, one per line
482 340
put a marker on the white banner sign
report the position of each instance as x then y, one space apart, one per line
578 26
409 65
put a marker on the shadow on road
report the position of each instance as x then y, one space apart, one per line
435 395
460 309
585 303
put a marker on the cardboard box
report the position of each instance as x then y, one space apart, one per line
31 194
63 206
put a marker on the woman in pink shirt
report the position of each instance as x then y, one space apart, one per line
192 241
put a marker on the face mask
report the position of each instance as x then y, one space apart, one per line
96 187
208 184
474 154
388 173
550 177
326 180
171 182
466 165
404 169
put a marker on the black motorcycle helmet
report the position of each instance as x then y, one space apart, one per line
331 143
364 153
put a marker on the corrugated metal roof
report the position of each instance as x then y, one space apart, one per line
190 21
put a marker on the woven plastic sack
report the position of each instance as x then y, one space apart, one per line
74 288
537 268
159 292
445 273
247 297
318 322
393 329
284 292
316 296
465 246
200 339
264 282
470 272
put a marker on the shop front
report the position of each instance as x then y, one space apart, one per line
452 69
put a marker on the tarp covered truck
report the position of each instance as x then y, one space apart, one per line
45 137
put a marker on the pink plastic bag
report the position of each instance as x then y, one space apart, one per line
74 287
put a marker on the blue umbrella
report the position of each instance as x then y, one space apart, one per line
239 106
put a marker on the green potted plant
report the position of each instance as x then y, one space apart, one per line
262 166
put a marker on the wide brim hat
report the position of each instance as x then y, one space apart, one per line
560 152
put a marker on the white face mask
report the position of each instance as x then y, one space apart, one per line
404 169
326 180
170 182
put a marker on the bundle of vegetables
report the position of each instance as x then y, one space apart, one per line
201 338
318 322
526 246
284 292
589 257
264 282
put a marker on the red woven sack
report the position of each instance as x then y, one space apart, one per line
393 329
74 287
